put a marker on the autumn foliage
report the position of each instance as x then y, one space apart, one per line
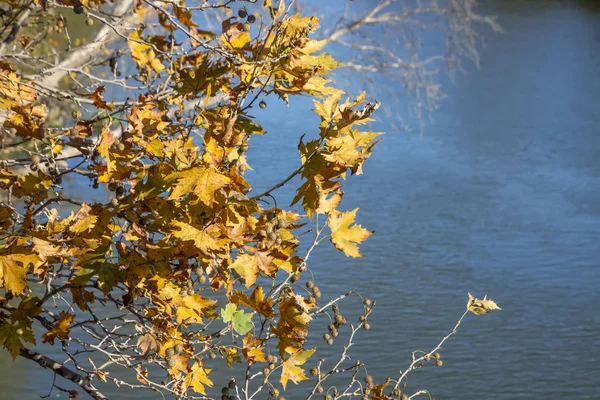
182 265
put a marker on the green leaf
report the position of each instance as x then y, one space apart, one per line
227 313
240 320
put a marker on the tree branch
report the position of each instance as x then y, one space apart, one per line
57 368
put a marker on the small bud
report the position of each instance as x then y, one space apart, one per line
320 389
436 355
314 371
262 104
439 363
274 392
266 371
326 336
404 396
212 355
76 114
362 318
89 21
330 341
335 333
367 302
366 326
335 308
396 392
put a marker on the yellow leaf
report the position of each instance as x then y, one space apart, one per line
290 367
253 349
203 241
201 181
481 307
61 329
13 271
345 237
197 379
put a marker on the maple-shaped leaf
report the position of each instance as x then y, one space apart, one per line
345 237
26 310
11 336
481 307
249 266
61 329
253 349
256 301
192 308
292 326
231 355
143 54
202 239
98 99
234 34
13 270
201 181
198 379
148 343
240 320
291 370
378 392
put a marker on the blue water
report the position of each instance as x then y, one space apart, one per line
499 196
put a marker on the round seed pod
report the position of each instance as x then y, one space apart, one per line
367 302
231 384
335 333
266 371
212 355
251 19
339 319
310 284
314 371
294 278
326 336
171 362
89 22
274 392
330 341
366 326
262 104
178 348
170 352
439 363
242 13
320 389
